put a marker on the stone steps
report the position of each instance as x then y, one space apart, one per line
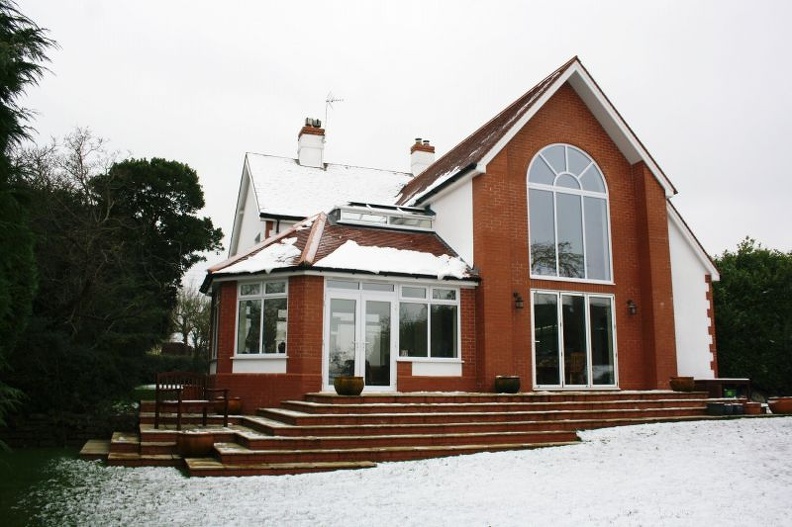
329 432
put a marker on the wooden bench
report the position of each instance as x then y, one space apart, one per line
715 387
184 391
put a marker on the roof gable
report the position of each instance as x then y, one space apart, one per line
471 156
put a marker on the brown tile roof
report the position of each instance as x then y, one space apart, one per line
466 154
319 236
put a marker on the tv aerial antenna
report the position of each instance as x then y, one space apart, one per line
329 103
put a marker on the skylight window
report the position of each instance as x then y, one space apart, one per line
383 216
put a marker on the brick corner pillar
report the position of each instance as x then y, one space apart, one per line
656 307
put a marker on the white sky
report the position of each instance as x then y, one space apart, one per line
704 85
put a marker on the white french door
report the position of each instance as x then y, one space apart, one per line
360 337
574 340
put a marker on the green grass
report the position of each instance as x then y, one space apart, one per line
20 471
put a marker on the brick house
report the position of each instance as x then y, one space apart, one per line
544 245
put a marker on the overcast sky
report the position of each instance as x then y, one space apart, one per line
705 85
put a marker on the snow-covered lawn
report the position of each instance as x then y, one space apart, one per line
736 472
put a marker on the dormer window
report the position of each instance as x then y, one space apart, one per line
568 213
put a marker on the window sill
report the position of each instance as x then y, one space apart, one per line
571 280
443 360
260 356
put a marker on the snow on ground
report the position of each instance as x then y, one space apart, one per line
696 473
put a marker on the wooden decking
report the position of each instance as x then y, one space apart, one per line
329 432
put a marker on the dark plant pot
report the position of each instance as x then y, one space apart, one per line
780 405
507 384
194 444
682 384
716 409
348 385
752 408
737 409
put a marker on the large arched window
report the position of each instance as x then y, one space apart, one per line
568 214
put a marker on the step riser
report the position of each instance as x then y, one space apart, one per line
409 398
440 418
310 408
401 441
377 456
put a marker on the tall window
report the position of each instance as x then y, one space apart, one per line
428 322
568 214
263 317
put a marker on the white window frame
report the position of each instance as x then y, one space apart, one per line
555 190
429 301
262 295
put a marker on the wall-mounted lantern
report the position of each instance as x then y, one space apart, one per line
632 308
519 303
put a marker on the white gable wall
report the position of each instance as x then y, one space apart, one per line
250 225
454 220
691 306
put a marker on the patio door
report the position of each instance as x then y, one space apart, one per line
574 337
360 338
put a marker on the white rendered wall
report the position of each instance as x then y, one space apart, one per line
454 220
691 308
251 224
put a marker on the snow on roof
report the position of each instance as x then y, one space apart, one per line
283 187
377 260
283 253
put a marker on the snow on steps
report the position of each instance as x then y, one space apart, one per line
328 432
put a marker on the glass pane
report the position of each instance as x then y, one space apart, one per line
541 172
378 349
575 347
597 244
546 339
542 221
342 284
570 236
567 181
555 157
601 324
444 331
342 338
414 292
275 321
274 288
377 287
249 289
592 180
413 330
444 294
249 330
578 161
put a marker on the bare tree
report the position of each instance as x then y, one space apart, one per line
191 319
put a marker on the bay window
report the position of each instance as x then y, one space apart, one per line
262 318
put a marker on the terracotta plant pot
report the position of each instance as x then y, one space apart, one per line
348 385
780 405
682 384
194 444
234 405
507 384
752 408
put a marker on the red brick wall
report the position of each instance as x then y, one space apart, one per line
711 316
639 235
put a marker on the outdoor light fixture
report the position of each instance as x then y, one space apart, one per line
631 307
519 303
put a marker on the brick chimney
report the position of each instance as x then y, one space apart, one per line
310 144
422 154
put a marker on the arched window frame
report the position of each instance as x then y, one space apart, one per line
577 165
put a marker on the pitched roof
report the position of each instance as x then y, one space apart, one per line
318 243
473 153
284 188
